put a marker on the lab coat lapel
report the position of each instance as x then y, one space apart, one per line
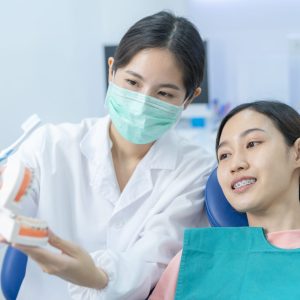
95 146
139 185
142 181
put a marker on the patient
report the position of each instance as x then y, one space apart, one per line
258 151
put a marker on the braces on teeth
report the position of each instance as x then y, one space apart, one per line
243 183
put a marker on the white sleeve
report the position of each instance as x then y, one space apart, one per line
126 279
134 272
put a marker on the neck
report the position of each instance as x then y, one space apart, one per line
285 217
125 150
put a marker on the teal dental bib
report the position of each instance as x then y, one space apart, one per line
236 264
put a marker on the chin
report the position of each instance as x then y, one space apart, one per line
242 210
242 207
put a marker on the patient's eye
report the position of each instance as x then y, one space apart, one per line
223 156
253 144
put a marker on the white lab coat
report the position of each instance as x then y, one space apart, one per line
132 235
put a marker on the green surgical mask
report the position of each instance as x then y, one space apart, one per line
139 118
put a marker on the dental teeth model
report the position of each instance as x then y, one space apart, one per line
16 183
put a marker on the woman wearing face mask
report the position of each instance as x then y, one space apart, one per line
258 150
120 190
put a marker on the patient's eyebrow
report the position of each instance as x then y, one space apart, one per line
243 134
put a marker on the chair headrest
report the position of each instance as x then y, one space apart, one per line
220 213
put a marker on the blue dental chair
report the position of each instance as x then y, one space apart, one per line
218 210
12 272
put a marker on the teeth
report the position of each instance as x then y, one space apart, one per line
243 183
32 223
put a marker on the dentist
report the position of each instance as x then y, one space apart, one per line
117 192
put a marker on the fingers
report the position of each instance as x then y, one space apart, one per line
65 246
55 241
55 263
79 269
51 263
37 253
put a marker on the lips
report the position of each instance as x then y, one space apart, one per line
243 182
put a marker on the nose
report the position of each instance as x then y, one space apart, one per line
238 163
146 91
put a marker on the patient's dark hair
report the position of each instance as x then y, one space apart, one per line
285 118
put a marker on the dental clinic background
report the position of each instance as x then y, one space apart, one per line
52 57
52 53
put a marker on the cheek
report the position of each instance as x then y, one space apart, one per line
118 78
228 192
117 81
223 180
273 174
268 169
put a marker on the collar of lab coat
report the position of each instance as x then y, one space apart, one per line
96 146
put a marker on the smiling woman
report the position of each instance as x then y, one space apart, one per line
251 138
258 150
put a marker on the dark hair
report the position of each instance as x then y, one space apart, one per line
165 30
285 118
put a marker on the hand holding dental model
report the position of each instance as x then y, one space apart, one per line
78 266
73 263
15 183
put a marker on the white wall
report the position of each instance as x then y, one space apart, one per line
249 50
51 52
51 56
